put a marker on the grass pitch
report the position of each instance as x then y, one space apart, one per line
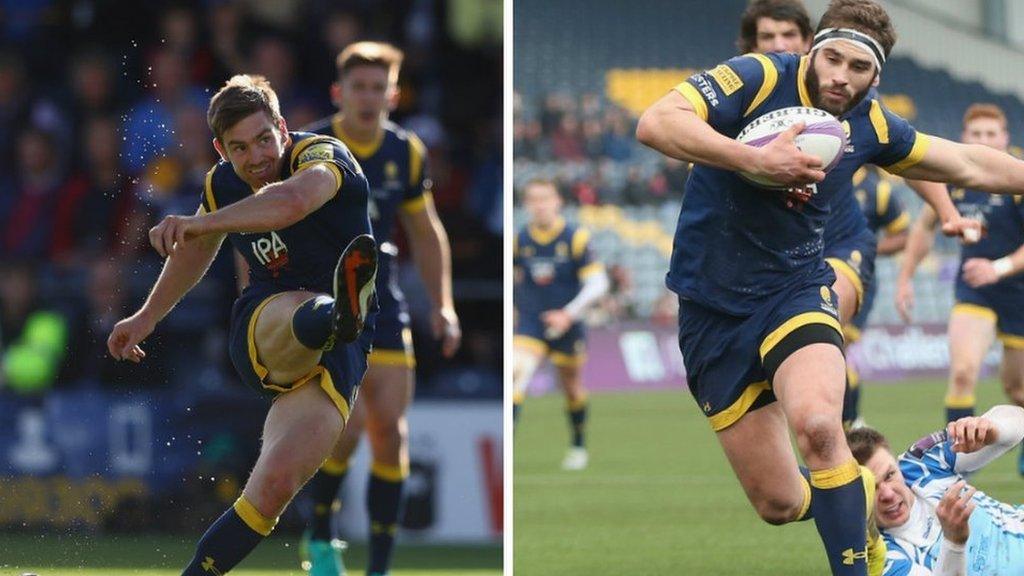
84 555
659 496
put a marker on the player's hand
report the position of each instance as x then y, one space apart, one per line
971 433
557 322
905 299
969 230
954 511
172 232
979 272
444 323
123 343
783 162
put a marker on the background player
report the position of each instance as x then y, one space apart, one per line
394 161
932 522
725 314
289 340
989 291
555 279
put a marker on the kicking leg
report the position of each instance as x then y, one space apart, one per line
300 430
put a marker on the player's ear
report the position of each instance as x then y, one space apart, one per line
393 95
220 149
285 136
876 81
336 94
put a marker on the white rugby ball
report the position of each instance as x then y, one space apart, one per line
823 136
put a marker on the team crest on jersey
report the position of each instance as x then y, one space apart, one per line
849 141
562 250
272 252
391 178
855 259
542 272
957 194
826 304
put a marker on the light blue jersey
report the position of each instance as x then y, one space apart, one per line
996 543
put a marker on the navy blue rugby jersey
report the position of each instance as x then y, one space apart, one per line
1002 217
395 164
302 256
736 244
549 266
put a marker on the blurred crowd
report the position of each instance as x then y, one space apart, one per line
103 132
587 144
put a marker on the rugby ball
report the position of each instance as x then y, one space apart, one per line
823 136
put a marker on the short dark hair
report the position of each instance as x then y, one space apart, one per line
864 16
379 54
864 442
242 96
781 10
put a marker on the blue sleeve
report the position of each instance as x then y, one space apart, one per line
892 216
723 95
900 145
930 458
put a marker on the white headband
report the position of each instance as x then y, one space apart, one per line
862 40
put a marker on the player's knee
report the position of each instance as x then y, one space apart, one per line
388 430
277 484
775 511
818 435
1013 385
964 377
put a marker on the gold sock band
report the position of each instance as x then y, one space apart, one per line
835 477
252 517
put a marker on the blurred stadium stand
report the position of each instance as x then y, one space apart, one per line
103 132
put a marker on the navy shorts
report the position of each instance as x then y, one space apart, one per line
854 258
1002 303
569 349
392 341
341 369
730 360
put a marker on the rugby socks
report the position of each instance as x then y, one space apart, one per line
324 490
958 407
577 419
231 538
839 515
805 509
312 321
851 398
383 500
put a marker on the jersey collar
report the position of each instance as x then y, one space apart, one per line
362 150
545 236
801 82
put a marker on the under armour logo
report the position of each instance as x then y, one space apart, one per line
849 556
208 566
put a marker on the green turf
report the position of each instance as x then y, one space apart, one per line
84 555
660 498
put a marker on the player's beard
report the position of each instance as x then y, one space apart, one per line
814 91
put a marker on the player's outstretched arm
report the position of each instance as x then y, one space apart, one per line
182 270
431 252
937 196
970 166
919 244
672 127
980 440
273 207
